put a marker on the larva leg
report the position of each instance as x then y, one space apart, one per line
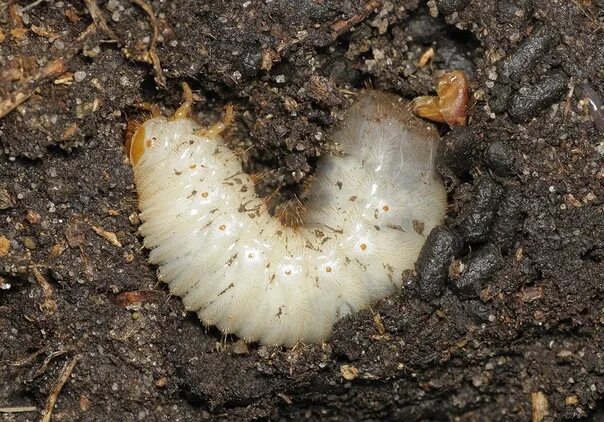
150 107
217 128
184 111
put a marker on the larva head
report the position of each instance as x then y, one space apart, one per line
158 134
137 145
142 139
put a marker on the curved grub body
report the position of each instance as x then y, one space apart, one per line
240 269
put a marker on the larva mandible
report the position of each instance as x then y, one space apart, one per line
240 269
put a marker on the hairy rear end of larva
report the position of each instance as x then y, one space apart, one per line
242 270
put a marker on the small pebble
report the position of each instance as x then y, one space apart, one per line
29 243
513 12
595 105
79 76
240 347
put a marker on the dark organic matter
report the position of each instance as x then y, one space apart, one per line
502 158
476 271
442 245
477 217
528 332
528 54
530 99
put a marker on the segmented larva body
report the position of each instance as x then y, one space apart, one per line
241 269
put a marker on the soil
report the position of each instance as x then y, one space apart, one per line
504 317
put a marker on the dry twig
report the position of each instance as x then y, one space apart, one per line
49 358
50 71
18 409
159 74
341 26
99 19
56 389
49 305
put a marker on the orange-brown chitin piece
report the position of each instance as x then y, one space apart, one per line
137 145
131 128
451 103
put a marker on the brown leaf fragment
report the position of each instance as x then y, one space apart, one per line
129 299
570 199
379 324
539 406
531 294
110 236
72 15
349 372
4 246
85 403
43 32
75 234
571 400
69 131
57 249
162 382
33 217
18 34
49 306
6 201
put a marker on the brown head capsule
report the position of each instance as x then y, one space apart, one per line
450 105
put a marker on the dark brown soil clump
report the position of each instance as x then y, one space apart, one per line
505 314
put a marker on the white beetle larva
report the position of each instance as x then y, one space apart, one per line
244 271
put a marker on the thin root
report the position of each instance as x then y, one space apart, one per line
342 26
99 19
49 359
